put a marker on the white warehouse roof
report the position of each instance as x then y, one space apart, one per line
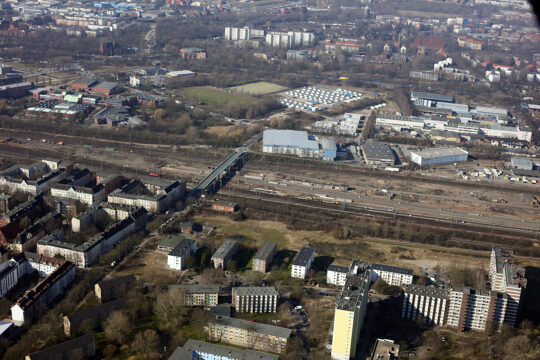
439 152
289 138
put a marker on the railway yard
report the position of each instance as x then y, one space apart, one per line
485 207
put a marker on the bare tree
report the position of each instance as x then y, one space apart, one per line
146 343
117 327
170 308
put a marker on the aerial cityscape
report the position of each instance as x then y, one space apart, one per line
265 180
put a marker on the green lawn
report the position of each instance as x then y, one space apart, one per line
214 96
258 88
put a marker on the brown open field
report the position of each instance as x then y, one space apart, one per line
254 232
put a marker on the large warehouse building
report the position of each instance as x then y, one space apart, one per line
298 143
439 156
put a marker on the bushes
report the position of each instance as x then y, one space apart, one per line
381 287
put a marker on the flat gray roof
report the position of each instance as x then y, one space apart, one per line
196 288
255 291
265 250
439 152
108 85
289 138
393 269
430 291
378 151
353 291
303 256
338 268
222 351
224 249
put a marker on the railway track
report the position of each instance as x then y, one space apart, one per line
371 212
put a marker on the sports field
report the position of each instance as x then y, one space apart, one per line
258 88
214 96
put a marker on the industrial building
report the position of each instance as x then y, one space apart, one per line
429 304
224 253
350 311
262 299
298 143
263 258
438 156
302 263
195 349
426 99
378 154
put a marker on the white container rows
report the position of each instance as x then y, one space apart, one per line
313 98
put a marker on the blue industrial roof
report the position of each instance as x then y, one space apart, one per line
289 138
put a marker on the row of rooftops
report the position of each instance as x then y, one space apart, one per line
196 288
33 295
109 232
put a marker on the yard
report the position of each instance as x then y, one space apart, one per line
215 96
258 88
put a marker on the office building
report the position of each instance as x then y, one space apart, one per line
262 299
429 304
351 306
302 263
176 259
439 156
199 294
263 258
337 275
224 254
392 275
248 334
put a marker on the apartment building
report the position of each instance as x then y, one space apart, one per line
176 259
302 263
195 350
8 277
351 306
429 304
224 253
507 278
473 309
67 350
198 294
43 294
337 275
86 195
263 258
392 275
87 253
110 289
93 317
248 333
262 299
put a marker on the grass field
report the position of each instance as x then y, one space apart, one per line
427 14
258 88
215 97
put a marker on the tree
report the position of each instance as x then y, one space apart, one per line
117 327
169 308
109 351
146 343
